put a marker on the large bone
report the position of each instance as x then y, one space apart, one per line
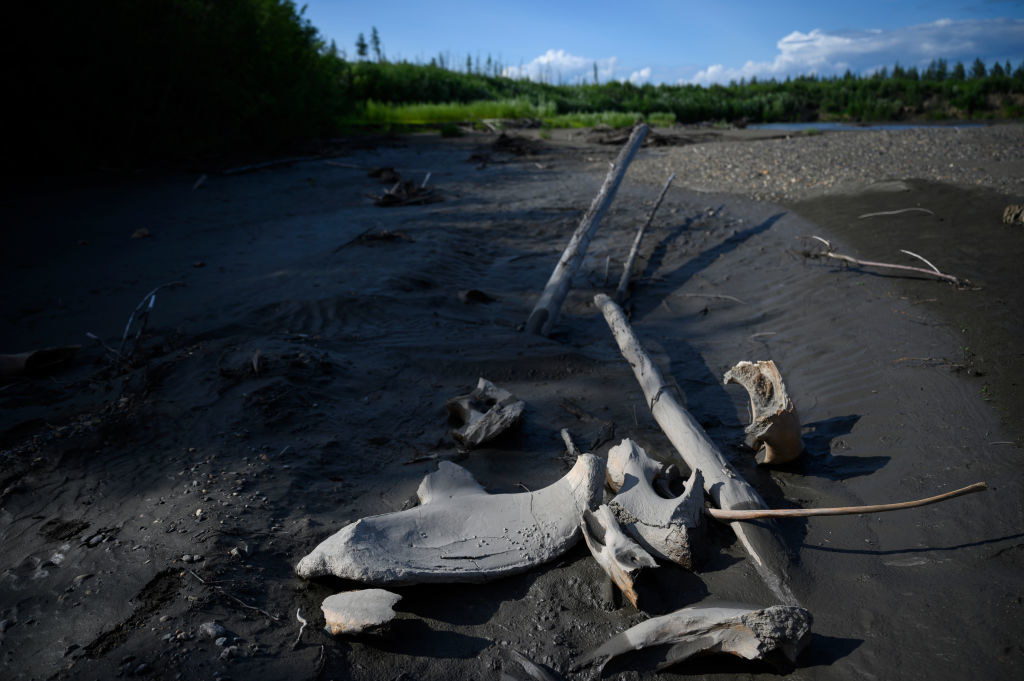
460 533
775 423
618 555
742 631
549 305
671 529
486 413
353 612
725 487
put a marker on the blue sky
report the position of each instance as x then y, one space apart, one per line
662 41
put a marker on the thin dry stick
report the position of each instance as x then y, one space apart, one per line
894 212
549 305
627 269
141 312
425 181
570 446
236 599
760 514
934 271
302 621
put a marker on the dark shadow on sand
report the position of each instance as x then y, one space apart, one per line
916 549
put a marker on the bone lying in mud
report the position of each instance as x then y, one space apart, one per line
460 533
486 413
618 555
742 631
775 423
352 612
670 529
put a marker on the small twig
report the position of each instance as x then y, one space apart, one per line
922 259
236 599
302 620
141 312
894 212
627 269
256 362
759 514
715 296
425 181
106 347
607 264
934 271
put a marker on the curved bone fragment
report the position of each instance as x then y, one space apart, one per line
671 529
460 533
352 612
618 555
746 632
775 423
485 413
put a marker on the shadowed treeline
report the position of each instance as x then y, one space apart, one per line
124 83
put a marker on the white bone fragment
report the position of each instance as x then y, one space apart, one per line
670 529
775 423
460 533
618 555
486 413
352 612
743 631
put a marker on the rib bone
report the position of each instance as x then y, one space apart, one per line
500 411
670 529
460 533
742 631
775 423
617 554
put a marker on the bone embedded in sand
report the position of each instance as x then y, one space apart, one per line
353 612
747 632
549 305
618 555
485 413
671 529
721 481
775 424
460 533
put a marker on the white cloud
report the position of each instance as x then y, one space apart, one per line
640 77
826 53
558 66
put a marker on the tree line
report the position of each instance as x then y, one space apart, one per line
124 82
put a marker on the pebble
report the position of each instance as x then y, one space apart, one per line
212 630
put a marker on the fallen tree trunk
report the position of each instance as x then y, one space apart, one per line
627 269
722 483
545 312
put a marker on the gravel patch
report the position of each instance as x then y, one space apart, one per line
806 166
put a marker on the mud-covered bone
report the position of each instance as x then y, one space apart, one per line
485 413
744 631
618 555
670 529
775 423
352 612
460 533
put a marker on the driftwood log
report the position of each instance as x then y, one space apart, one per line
722 483
546 311
774 423
627 269
460 533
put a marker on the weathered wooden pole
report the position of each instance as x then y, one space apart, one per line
627 269
545 312
721 481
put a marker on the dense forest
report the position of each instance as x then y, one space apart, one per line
124 82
